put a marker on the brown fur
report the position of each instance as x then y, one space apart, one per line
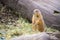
37 21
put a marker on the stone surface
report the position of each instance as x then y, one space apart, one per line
38 36
26 7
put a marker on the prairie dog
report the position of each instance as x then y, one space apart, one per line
37 21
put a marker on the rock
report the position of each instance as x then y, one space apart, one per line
26 7
38 36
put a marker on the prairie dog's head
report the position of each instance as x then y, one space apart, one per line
37 12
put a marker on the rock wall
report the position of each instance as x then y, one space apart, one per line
26 7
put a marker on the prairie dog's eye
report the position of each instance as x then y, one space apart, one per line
36 10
